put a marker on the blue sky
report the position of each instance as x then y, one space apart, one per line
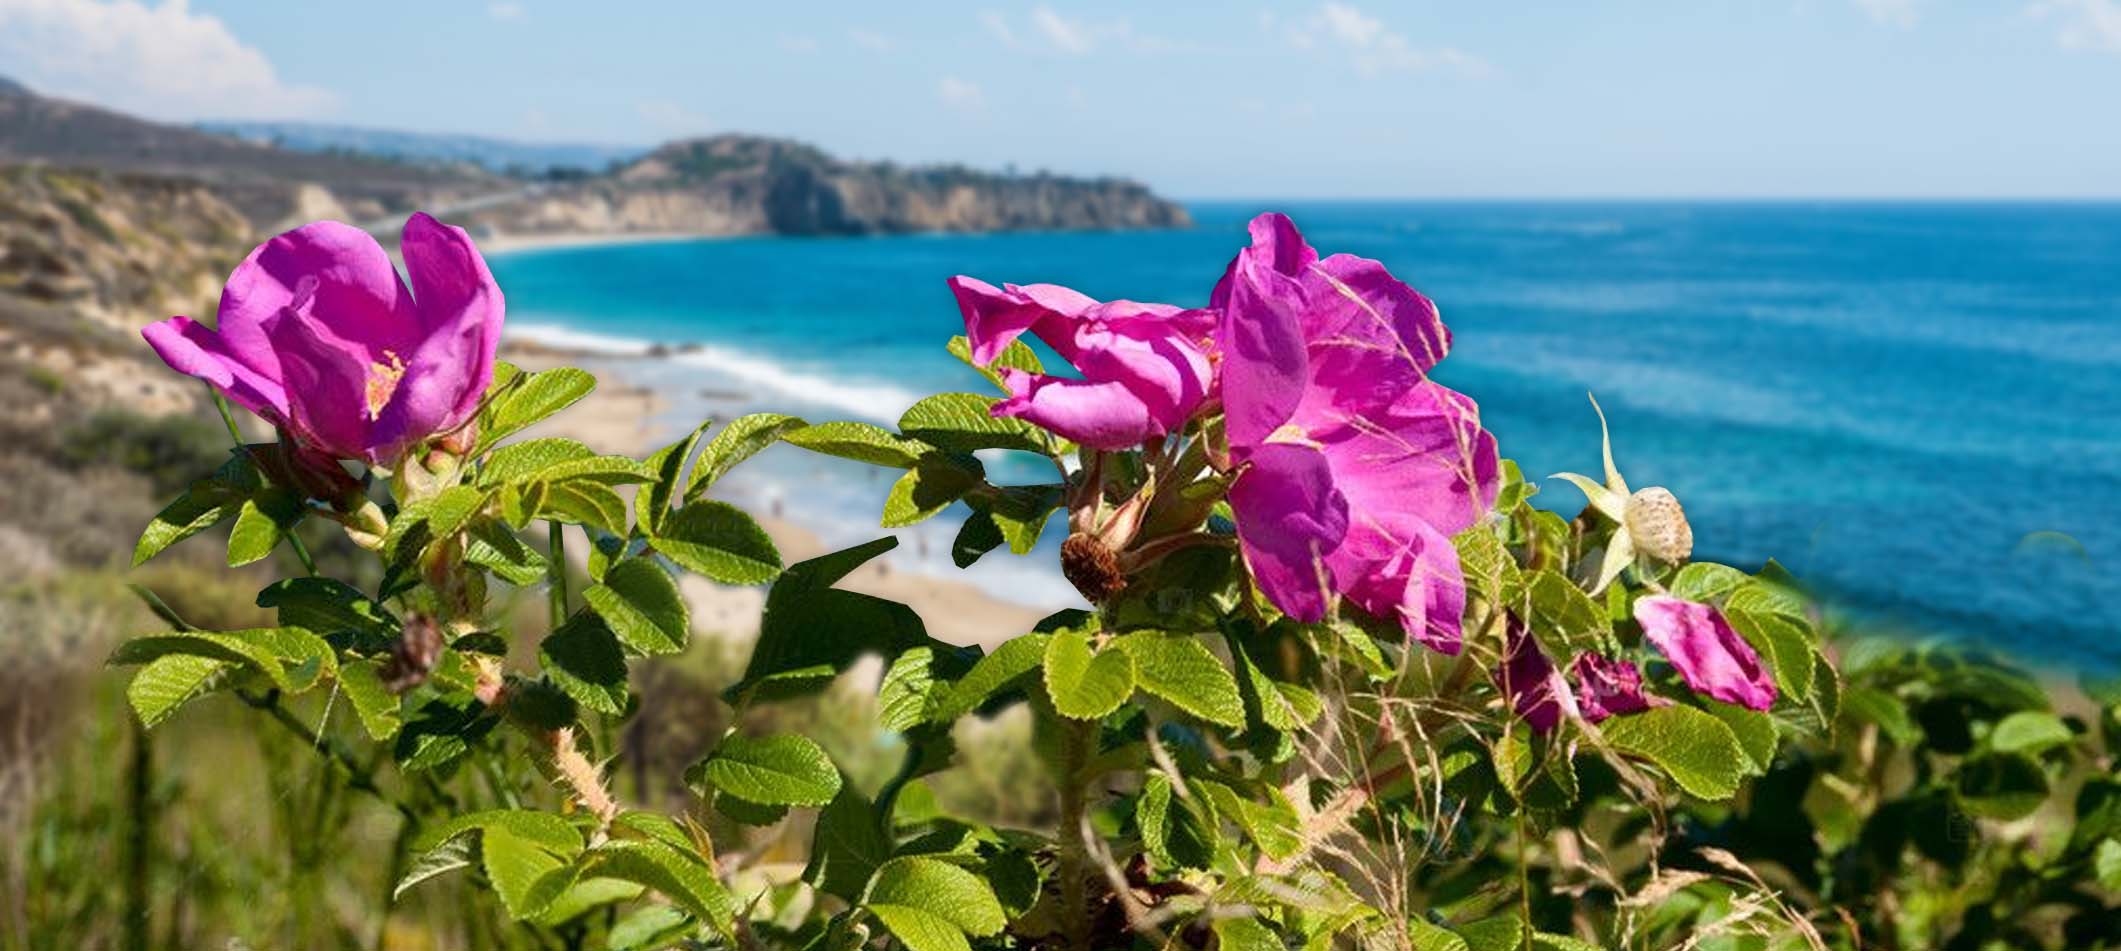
1719 98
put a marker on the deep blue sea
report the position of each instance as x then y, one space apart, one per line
1916 407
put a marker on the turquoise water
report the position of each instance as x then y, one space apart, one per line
1917 407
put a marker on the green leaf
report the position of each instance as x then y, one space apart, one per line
260 649
1887 712
262 521
1010 663
1172 831
1707 582
929 487
1564 619
522 873
543 829
453 854
719 541
860 442
582 502
916 686
492 546
1086 685
977 536
643 606
330 607
2006 786
525 460
1755 732
681 875
1020 513
848 845
649 928
940 889
2106 864
2030 732
527 399
1697 750
1489 569
1018 355
964 422
742 438
1245 934
1428 937
653 503
784 769
1180 669
920 930
1785 644
171 681
586 895
811 631
204 504
374 704
1266 817
583 658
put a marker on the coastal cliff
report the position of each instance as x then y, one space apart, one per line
736 184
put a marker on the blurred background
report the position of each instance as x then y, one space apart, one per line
1845 275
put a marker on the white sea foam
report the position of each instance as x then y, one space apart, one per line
863 399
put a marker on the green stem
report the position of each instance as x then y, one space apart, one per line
228 418
1076 738
357 778
139 916
556 572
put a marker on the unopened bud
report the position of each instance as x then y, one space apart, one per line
1658 525
460 440
1092 567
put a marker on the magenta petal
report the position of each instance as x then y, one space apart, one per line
461 308
1264 369
1425 457
1528 679
1609 687
191 349
1405 571
1101 415
1289 517
334 271
1708 654
1371 336
328 381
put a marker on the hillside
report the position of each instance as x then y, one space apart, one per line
500 156
739 184
268 185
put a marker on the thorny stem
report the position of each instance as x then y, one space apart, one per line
228 418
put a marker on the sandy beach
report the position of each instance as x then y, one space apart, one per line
621 418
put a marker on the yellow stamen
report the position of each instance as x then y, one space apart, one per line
382 383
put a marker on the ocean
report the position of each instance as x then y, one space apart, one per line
1915 407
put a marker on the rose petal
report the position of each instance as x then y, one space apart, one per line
190 348
1609 687
461 309
1289 517
1530 681
1101 415
343 276
329 381
1708 654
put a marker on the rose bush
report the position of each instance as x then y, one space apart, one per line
1339 683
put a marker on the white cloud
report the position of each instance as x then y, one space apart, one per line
960 94
1900 13
1372 46
670 117
2084 24
164 61
1066 35
503 10
997 26
870 40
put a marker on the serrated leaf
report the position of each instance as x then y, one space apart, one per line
524 400
1697 750
929 487
915 687
920 930
1707 582
1011 661
1755 732
860 442
520 871
642 605
492 546
1172 831
169 682
1020 513
1266 818
1086 684
203 505
784 769
1564 619
649 927
547 831
453 854
681 875
586 503
1245 934
719 541
847 846
1489 569
373 703
583 658
1785 644
329 607
1178 668
742 438
517 462
965 422
262 522
1018 355
811 631
251 648
977 536
941 889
